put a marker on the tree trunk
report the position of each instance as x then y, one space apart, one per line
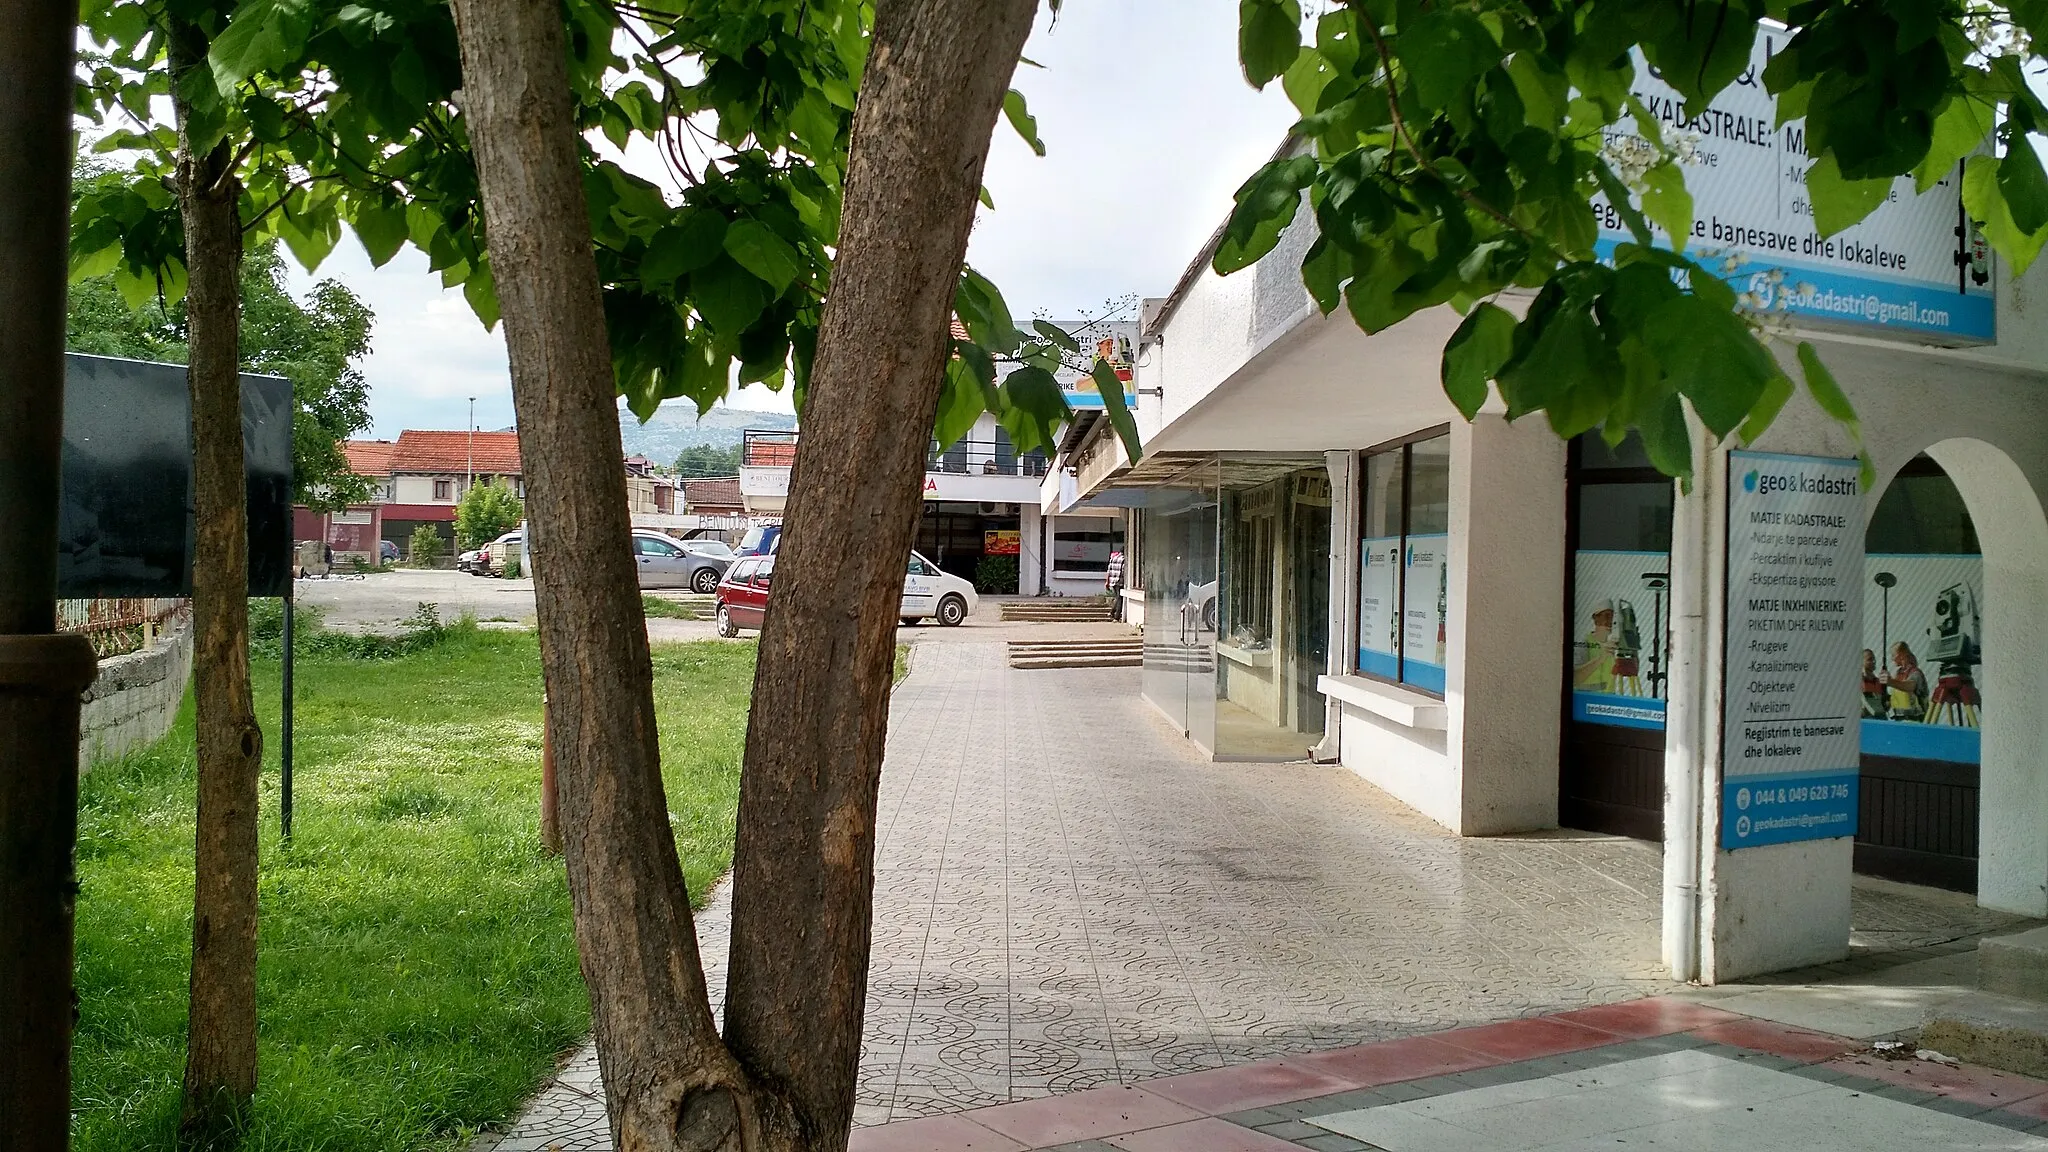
220 1054
668 1079
803 866
805 860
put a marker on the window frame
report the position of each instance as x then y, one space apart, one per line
1404 445
444 489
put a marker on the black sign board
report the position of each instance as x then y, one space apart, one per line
127 526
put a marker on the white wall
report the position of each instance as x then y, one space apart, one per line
1492 768
1985 422
1506 651
420 490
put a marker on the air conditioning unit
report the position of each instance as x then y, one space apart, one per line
990 508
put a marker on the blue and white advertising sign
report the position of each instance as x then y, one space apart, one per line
1112 340
1897 272
1791 709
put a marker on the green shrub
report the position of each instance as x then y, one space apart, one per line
486 512
425 546
266 620
997 575
512 565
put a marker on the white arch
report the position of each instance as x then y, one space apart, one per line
2012 862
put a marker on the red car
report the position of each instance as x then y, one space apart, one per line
743 594
928 593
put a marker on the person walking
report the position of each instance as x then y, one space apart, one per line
1113 580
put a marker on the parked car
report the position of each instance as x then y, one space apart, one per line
760 540
927 593
491 558
467 562
666 562
387 551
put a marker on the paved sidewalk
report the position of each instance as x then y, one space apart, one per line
1656 1073
1067 899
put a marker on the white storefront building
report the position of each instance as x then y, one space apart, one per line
1509 632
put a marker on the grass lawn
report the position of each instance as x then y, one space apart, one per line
418 974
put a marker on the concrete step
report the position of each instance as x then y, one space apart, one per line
1080 661
1133 643
1025 610
2005 1025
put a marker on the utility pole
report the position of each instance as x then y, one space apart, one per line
41 671
471 482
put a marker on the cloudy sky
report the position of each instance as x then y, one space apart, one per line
1149 128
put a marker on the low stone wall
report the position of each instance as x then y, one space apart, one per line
135 699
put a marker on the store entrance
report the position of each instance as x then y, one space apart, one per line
1617 633
972 542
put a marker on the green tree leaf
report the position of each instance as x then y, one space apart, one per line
381 229
1445 50
1269 38
1986 204
1475 353
1266 205
1711 358
2024 185
760 251
1668 202
1839 203
1959 130
1112 389
1022 120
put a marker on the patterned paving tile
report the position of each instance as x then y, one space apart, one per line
1069 899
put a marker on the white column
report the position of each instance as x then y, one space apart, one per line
1504 673
1030 560
1343 592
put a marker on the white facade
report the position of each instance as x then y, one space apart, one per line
1243 368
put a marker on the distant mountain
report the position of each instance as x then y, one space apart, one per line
677 426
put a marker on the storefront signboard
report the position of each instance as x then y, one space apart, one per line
1790 706
1898 272
1001 542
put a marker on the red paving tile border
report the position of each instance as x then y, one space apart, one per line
1777 1039
1371 1065
1968 1083
1086 1115
930 1134
1642 1019
1201 1136
1529 1039
1220 1090
1180 1113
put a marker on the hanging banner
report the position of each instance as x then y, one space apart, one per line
1902 271
1791 711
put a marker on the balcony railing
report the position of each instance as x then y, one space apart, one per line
767 448
989 456
995 457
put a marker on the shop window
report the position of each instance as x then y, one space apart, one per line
1404 552
1081 545
1923 619
1254 528
1620 625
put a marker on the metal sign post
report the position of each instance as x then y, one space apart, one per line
284 774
